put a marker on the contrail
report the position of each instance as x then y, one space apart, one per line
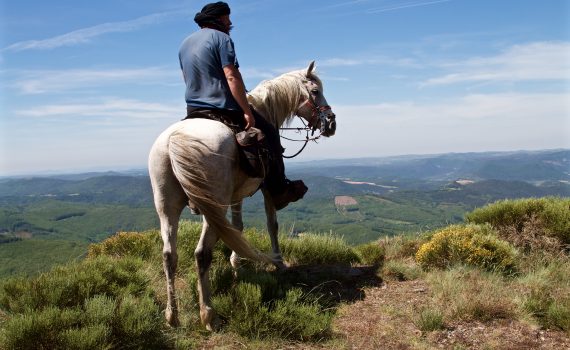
85 34
399 7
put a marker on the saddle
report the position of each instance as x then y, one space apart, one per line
252 147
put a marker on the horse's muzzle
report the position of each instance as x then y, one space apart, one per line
329 125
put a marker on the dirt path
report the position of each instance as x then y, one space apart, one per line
384 320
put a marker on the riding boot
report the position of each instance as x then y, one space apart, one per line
282 190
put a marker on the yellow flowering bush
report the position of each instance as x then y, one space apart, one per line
474 245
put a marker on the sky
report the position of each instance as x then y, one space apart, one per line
88 85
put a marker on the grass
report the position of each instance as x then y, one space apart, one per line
115 298
429 320
466 293
401 270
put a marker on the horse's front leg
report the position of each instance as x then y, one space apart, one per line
237 221
273 229
203 255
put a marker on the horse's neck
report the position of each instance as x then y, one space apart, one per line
277 99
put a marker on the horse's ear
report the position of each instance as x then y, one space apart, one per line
310 69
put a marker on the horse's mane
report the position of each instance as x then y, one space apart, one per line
277 99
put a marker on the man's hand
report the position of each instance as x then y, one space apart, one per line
249 121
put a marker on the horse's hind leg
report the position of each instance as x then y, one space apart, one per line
237 221
203 255
169 211
169 217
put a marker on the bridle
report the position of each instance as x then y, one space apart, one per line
318 113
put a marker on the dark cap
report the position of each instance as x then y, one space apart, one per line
211 12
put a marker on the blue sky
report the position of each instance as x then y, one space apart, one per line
90 84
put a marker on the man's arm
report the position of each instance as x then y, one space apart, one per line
237 88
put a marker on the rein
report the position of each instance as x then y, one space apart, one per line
317 113
306 140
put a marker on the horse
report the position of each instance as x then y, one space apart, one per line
195 163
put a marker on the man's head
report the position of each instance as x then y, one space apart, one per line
215 15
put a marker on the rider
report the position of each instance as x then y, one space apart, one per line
214 83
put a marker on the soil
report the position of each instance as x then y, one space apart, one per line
380 321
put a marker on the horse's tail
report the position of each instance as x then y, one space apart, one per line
186 157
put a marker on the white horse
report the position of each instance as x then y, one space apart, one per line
195 163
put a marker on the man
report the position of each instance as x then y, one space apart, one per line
213 82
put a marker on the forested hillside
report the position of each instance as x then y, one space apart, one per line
52 219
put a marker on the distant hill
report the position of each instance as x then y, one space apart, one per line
394 195
107 189
534 166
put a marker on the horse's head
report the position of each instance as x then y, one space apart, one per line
314 107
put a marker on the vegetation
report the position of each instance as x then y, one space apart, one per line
98 303
472 244
445 265
116 296
394 196
534 223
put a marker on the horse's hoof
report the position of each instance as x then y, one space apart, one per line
281 266
210 320
215 325
235 261
172 318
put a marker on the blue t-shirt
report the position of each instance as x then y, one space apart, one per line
202 57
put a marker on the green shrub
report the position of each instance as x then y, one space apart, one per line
404 246
99 303
295 317
371 253
528 222
472 245
87 338
148 245
400 270
318 250
142 245
68 286
138 324
39 329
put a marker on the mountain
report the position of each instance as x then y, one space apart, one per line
553 165
50 219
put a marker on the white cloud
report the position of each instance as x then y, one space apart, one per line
109 109
44 81
528 62
482 122
84 35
